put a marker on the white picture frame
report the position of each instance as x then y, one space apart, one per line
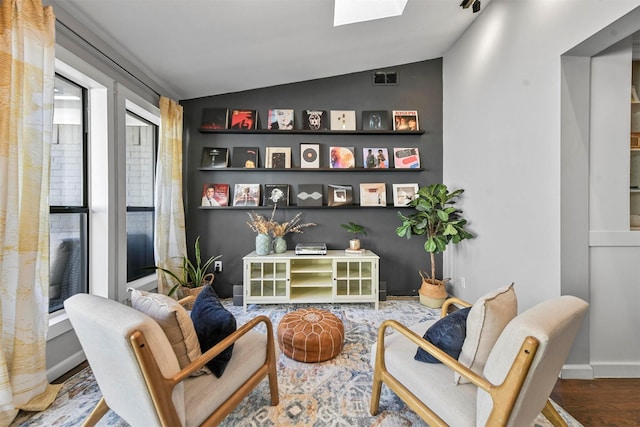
278 158
309 156
404 193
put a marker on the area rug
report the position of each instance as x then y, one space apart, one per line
331 393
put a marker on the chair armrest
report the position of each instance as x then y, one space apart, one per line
184 301
222 345
443 357
450 301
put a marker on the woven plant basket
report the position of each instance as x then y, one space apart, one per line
207 280
432 293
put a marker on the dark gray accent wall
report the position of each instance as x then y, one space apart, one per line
224 230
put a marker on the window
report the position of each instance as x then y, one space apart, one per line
68 228
141 147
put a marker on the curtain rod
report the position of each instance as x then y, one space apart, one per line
107 57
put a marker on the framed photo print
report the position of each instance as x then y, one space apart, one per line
405 120
278 157
404 193
309 156
340 195
342 157
280 119
406 158
375 158
375 120
215 195
276 195
373 194
246 195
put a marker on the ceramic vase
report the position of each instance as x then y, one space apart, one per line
263 244
279 245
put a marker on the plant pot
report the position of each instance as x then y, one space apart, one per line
263 244
431 302
354 244
433 293
279 245
190 292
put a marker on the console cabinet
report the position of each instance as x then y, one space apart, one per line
332 278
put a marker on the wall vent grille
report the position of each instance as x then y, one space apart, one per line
384 78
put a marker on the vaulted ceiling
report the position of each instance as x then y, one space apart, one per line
196 48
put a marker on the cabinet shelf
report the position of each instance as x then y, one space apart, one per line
252 208
313 132
375 170
311 278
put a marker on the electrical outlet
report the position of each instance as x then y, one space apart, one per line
463 282
217 266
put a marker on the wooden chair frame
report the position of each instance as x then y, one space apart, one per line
503 395
161 388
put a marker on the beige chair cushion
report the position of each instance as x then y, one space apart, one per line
175 322
486 321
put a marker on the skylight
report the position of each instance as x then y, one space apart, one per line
352 11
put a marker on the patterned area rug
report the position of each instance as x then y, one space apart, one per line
331 393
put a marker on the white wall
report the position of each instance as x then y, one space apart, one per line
503 141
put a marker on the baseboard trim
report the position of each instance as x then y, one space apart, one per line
65 366
616 370
576 372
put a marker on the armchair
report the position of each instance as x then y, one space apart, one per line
139 374
516 381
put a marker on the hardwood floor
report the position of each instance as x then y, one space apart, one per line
601 402
604 402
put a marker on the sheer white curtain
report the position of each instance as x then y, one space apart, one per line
26 124
170 238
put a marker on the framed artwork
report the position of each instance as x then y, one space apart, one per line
214 118
309 195
406 158
340 195
280 119
276 195
375 120
373 194
246 195
404 193
342 157
215 195
343 119
214 157
405 120
375 158
309 156
315 120
278 157
244 119
245 157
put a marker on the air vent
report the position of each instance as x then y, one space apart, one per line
384 78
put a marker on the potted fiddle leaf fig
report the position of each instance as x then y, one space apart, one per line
441 223
352 227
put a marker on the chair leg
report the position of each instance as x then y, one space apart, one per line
98 412
376 389
553 416
273 385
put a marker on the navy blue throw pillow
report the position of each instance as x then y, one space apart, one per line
213 323
447 334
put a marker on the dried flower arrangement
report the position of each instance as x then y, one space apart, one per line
260 224
293 226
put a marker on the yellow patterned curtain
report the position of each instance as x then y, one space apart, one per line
26 122
170 240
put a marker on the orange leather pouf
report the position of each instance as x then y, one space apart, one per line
310 335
